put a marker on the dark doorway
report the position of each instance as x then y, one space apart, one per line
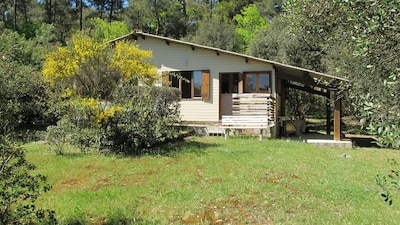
228 85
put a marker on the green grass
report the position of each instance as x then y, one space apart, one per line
217 181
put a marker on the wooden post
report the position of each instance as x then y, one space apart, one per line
281 124
337 118
283 90
328 113
240 83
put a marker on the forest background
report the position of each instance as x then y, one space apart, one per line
354 39
56 72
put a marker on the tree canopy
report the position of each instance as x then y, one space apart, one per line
348 38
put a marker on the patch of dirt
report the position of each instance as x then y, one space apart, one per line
233 211
137 178
89 167
72 183
277 178
102 182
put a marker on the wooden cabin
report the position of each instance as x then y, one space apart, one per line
212 80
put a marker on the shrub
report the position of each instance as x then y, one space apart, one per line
389 183
57 135
150 116
86 139
19 188
67 132
380 115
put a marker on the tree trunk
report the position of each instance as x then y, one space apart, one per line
25 10
15 15
184 8
111 10
156 9
80 15
49 11
211 8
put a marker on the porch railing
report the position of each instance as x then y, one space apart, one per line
254 104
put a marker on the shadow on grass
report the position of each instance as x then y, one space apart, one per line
177 146
72 155
364 142
108 221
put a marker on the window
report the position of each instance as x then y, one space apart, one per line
197 82
257 82
193 84
229 83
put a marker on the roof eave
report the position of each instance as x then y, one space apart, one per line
315 74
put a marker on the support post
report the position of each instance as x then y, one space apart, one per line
282 113
328 113
283 89
240 83
337 118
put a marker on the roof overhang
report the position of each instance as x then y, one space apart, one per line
284 71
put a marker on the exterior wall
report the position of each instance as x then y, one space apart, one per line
181 57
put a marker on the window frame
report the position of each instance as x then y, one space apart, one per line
169 80
257 75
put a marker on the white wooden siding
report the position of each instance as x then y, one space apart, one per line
181 57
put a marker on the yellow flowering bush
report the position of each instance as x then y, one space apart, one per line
59 65
105 116
91 110
68 93
132 62
94 69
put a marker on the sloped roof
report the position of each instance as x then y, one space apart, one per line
318 77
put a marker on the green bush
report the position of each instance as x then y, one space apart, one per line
22 89
19 188
57 136
389 183
150 116
86 139
380 114
67 132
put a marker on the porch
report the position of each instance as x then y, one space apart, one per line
240 94
318 138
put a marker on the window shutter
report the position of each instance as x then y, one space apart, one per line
205 85
165 80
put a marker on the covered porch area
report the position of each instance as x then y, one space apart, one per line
315 83
283 78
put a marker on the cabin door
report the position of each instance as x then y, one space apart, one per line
228 85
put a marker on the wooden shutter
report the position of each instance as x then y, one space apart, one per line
205 85
165 80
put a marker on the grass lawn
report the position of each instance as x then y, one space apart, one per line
210 180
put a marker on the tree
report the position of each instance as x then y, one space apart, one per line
270 8
107 7
218 33
139 15
104 31
249 22
356 39
273 42
60 14
230 8
21 87
317 27
95 69
166 18
377 47
19 189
